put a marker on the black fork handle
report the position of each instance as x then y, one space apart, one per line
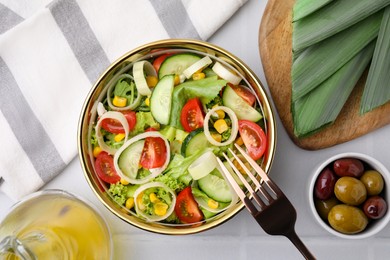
293 237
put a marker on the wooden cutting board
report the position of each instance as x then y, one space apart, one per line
275 46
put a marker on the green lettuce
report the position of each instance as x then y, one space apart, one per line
176 175
121 193
126 90
144 121
172 133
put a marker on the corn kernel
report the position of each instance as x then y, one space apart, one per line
177 80
217 137
129 203
221 126
119 137
198 75
160 208
119 101
124 182
96 151
220 113
212 204
147 101
239 141
151 81
153 198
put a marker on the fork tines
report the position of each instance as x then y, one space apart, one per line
269 201
267 193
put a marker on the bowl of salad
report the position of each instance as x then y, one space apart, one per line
153 125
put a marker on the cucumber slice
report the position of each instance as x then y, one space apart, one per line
177 63
195 141
242 109
215 186
128 161
161 99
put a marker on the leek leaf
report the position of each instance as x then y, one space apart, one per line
321 106
303 8
331 19
318 62
377 89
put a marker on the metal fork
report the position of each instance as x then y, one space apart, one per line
270 207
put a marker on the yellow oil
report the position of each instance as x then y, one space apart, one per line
58 227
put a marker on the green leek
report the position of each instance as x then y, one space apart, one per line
303 8
331 19
321 106
377 89
318 62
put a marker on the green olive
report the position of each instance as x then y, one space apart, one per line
350 191
323 206
373 181
347 219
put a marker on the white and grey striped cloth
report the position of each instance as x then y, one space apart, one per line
51 53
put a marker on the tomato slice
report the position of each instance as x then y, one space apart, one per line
244 93
191 116
115 127
157 62
154 153
186 208
254 138
104 167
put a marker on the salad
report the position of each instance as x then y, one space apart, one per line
161 123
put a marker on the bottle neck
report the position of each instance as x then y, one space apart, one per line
39 243
11 246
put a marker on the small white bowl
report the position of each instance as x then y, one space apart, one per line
376 225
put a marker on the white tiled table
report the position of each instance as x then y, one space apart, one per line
241 237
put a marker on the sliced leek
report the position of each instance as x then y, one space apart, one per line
322 105
320 61
331 19
377 89
199 65
225 74
140 69
303 8
202 166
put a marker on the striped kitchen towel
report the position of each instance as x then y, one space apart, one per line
51 53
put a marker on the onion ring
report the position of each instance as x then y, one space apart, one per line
232 116
110 115
154 217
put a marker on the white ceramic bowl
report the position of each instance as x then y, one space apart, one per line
374 226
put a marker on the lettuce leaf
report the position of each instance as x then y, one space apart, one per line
144 121
172 133
121 192
176 175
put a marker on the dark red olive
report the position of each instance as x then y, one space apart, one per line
375 207
324 185
348 167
